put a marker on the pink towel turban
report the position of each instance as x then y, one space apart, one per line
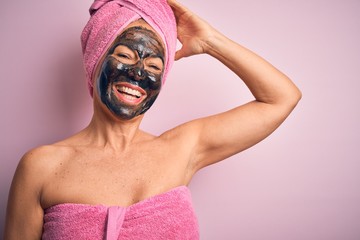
110 17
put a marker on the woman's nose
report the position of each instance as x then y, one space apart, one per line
138 71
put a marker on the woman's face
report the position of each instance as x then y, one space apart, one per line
130 76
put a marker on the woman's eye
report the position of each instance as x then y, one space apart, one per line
155 67
154 63
123 56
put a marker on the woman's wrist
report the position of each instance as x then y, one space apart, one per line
216 45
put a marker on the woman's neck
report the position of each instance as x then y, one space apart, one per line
108 131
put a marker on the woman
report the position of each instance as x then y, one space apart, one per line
112 179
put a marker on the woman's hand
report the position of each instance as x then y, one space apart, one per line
193 32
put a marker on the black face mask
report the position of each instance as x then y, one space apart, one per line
131 73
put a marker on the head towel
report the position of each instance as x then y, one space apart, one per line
110 17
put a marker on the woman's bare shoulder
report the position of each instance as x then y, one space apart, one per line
185 132
41 160
43 153
33 171
34 158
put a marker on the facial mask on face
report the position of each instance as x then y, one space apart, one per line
130 78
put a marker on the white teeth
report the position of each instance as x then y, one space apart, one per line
129 97
152 78
130 91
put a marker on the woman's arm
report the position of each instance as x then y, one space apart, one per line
24 217
220 136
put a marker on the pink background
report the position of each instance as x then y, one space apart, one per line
300 183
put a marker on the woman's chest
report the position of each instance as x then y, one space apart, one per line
97 177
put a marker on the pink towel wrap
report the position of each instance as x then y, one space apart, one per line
110 17
167 216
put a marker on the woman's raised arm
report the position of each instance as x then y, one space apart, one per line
220 136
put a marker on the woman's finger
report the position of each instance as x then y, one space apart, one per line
177 7
180 54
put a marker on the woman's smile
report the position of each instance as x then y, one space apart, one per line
128 93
